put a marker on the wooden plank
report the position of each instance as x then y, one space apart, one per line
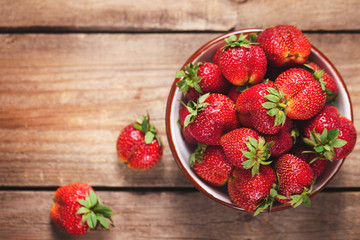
65 98
184 215
162 15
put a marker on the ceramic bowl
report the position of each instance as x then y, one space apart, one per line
181 150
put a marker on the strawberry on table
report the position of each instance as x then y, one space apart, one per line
139 146
211 117
77 209
211 164
242 61
200 78
295 178
284 45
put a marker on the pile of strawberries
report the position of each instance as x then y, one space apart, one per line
261 117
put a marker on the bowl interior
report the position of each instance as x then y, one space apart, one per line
182 150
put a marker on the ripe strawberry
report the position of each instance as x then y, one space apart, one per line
210 164
242 61
212 116
248 191
317 166
295 178
303 95
347 133
253 114
330 135
216 58
77 209
139 146
282 143
201 78
328 84
245 148
185 130
284 45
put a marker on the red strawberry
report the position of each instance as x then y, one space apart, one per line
216 58
303 95
295 179
317 166
247 191
210 164
327 82
282 143
139 146
284 45
242 61
331 136
348 134
253 114
209 119
201 78
245 148
185 130
77 209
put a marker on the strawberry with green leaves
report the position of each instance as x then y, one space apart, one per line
77 209
211 117
328 84
253 108
296 179
284 45
200 78
242 60
330 135
245 148
250 192
300 95
211 164
139 146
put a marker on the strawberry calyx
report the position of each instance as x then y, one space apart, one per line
93 212
194 108
147 128
241 41
198 154
323 144
298 199
257 155
276 104
189 78
268 201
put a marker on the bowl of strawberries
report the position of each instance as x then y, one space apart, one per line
259 119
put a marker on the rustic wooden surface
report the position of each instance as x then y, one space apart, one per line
74 73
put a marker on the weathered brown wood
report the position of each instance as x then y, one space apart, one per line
162 15
181 215
65 98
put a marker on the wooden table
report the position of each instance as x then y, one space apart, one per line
74 73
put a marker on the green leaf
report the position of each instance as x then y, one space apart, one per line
247 164
333 133
273 112
319 149
268 105
102 221
84 203
336 143
149 136
253 142
83 210
104 210
180 74
92 220
272 98
93 198
306 200
323 136
273 91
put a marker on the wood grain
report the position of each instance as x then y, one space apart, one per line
185 215
64 99
163 15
